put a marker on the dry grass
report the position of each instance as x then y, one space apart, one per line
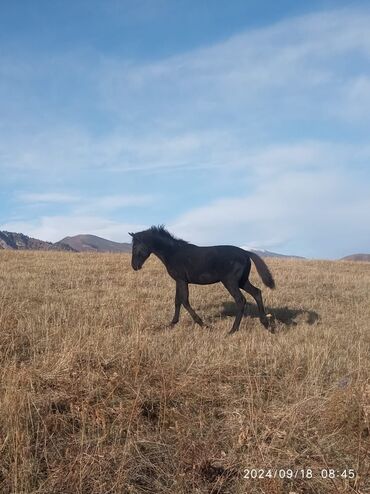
96 396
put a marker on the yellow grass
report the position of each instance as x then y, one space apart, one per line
96 396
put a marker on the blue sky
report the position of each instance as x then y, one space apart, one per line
239 122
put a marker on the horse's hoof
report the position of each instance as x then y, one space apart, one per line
268 321
271 323
265 322
271 319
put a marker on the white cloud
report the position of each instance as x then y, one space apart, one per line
116 202
296 210
106 204
83 204
46 197
356 99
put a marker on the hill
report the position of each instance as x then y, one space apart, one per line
267 253
19 241
92 243
357 257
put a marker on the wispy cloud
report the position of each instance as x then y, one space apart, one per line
73 206
279 67
106 203
46 197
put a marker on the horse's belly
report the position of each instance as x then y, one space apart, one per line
204 279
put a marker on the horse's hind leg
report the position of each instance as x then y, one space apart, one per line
257 295
239 298
184 297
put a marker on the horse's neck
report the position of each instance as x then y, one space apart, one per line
163 250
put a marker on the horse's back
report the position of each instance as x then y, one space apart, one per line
206 265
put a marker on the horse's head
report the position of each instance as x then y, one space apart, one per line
140 251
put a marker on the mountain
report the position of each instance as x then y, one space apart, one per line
356 257
92 243
267 253
78 243
18 241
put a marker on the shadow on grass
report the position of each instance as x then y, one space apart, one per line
285 315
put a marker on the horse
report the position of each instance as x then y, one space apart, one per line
188 263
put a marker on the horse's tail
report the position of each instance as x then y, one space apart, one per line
262 270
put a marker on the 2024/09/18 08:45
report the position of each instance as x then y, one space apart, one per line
297 473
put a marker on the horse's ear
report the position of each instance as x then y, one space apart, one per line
131 234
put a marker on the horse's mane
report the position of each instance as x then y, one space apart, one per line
161 233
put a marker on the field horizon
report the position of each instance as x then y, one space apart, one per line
98 396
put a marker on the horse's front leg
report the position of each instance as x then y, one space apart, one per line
176 316
183 290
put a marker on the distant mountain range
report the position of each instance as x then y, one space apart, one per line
267 253
78 243
92 243
84 243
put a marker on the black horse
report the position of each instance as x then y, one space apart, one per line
187 263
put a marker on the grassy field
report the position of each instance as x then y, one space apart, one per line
97 396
